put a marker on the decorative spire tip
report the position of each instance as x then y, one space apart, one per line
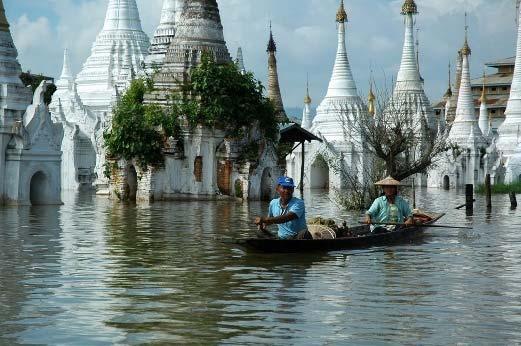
341 15
409 7
272 47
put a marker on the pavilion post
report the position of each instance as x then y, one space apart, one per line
302 171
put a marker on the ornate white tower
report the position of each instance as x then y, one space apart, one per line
342 101
466 123
409 96
484 124
307 115
239 61
117 55
511 127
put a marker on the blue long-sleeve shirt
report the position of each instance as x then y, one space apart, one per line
380 211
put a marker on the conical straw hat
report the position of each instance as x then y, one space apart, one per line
389 181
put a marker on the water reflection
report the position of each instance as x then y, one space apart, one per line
97 272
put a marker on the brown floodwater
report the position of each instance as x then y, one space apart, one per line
94 272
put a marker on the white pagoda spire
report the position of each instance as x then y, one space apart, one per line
408 91
465 122
342 101
307 115
484 124
66 69
342 83
164 33
117 55
409 75
508 132
239 61
66 78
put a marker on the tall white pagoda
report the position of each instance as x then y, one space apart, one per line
465 122
117 56
334 115
408 95
342 100
307 113
84 105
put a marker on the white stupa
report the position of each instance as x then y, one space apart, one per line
117 55
511 127
342 101
341 150
465 122
307 113
408 95
484 120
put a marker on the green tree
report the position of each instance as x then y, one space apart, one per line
217 96
221 96
134 133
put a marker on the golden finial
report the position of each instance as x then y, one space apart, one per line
483 98
465 50
341 15
4 25
371 98
307 99
409 7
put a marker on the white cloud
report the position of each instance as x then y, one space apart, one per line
31 39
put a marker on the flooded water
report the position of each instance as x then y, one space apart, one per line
93 273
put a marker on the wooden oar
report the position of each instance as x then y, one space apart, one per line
415 225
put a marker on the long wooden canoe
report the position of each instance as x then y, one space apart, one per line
360 237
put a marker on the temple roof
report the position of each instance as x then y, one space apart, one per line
502 62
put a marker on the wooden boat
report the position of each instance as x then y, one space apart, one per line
359 237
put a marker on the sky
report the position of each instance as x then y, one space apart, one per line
305 32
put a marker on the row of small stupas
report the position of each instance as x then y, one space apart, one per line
489 137
478 150
201 164
30 156
343 102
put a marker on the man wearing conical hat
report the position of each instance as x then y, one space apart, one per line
390 208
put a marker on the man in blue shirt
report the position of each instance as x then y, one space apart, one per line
287 212
390 208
